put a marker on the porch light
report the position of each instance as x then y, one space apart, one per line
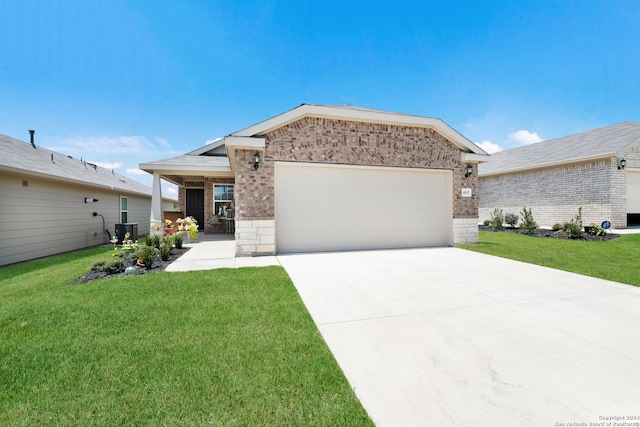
256 160
622 164
469 171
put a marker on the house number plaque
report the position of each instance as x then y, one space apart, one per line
466 192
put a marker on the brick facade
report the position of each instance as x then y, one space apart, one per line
324 140
555 194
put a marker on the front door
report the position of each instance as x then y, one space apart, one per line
195 205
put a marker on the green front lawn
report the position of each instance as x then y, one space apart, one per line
223 348
615 260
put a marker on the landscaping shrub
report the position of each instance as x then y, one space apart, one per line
596 230
497 220
154 240
528 224
575 227
165 251
557 227
177 240
511 219
113 266
486 222
147 255
574 230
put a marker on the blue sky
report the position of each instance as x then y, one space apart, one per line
125 82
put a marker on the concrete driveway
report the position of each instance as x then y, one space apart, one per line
445 336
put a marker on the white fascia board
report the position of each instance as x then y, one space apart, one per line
244 142
184 170
551 164
234 142
206 148
362 115
474 158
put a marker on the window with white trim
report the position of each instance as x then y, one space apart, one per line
124 211
222 198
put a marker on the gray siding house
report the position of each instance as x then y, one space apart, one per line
326 178
598 170
42 202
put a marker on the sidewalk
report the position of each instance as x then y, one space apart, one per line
207 255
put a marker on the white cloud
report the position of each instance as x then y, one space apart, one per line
163 142
108 165
135 171
170 191
489 146
524 137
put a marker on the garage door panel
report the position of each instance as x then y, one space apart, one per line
324 208
633 191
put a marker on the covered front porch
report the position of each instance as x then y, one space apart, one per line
205 184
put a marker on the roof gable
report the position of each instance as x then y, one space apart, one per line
348 112
22 157
610 141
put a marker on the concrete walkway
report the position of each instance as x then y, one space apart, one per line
445 336
208 255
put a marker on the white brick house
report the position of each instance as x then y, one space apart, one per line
598 170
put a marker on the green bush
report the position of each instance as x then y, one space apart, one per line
557 227
575 227
165 251
597 230
528 224
574 230
486 222
511 219
497 220
154 240
177 240
147 255
114 266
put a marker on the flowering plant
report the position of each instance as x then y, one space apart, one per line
188 224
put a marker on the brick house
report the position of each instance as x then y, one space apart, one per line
598 170
323 178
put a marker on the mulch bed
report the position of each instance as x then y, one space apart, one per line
552 234
157 267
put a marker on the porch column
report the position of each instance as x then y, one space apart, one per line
156 225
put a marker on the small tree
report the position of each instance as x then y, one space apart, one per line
528 224
497 220
575 227
511 219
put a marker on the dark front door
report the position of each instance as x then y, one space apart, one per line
195 206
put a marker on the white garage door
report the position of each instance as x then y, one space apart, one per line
633 191
329 208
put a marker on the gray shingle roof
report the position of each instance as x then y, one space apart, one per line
609 141
19 156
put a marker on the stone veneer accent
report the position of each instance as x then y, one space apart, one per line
465 230
323 140
256 237
555 194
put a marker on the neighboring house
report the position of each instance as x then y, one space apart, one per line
598 170
42 202
325 178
